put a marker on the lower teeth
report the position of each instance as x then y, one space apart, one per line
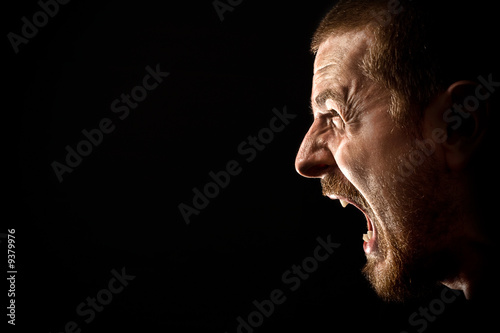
368 236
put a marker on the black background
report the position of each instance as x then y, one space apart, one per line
119 207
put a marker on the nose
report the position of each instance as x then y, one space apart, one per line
315 158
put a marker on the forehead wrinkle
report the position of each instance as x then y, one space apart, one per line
343 53
339 67
330 64
328 78
328 81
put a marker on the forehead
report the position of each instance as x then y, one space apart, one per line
338 59
342 48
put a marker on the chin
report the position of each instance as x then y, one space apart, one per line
396 281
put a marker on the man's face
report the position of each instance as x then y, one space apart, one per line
355 147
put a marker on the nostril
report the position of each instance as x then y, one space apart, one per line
317 170
310 169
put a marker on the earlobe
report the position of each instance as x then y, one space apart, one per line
466 122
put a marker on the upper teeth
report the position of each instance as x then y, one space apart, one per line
368 236
343 203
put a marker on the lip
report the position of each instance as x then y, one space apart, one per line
370 246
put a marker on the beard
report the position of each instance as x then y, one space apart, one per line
412 224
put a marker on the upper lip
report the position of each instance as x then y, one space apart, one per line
336 197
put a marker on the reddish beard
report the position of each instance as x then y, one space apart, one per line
411 232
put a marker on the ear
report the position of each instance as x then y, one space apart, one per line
465 121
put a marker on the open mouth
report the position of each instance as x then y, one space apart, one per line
370 237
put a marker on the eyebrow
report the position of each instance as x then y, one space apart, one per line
320 100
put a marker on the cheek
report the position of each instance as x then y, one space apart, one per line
351 159
360 166
368 159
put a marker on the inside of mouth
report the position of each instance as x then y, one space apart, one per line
369 234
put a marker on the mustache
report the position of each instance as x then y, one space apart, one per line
336 184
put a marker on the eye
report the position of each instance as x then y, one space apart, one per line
335 118
335 113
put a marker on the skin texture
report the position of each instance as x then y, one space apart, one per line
424 233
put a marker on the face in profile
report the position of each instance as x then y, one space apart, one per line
416 225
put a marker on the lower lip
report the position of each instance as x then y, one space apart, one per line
370 246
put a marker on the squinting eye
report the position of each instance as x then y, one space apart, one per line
335 118
334 113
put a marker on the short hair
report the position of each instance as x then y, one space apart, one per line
420 47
